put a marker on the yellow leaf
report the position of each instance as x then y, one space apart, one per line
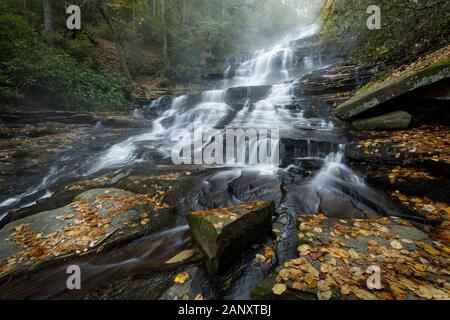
428 249
363 294
181 278
341 254
424 292
279 289
353 254
372 243
345 289
309 278
396 245
421 267
198 297
324 295
304 250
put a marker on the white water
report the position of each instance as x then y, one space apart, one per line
266 66
271 66
260 69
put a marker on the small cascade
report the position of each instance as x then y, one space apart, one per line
138 114
270 71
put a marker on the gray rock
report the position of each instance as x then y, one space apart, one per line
369 98
335 253
223 234
393 120
98 219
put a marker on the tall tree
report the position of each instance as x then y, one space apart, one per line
48 19
185 13
164 50
101 6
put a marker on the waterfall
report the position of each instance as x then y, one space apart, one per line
277 109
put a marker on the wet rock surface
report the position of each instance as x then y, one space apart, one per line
224 233
335 259
393 120
97 219
425 72
162 261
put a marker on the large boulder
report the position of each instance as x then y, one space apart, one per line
390 121
223 234
336 259
96 220
429 70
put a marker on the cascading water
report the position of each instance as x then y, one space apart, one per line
274 67
333 189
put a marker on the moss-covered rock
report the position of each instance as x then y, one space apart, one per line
224 233
376 95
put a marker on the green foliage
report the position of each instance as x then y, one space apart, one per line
64 75
15 35
68 69
408 29
53 78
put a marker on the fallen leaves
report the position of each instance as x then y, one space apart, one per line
231 213
279 289
428 248
80 231
403 173
268 256
181 278
182 256
343 264
426 142
396 245
409 68
304 250
426 207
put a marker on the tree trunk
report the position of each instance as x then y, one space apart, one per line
134 16
102 9
48 19
164 36
185 13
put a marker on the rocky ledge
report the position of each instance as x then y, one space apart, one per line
336 259
97 219
223 234
419 90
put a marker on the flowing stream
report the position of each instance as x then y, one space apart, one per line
256 92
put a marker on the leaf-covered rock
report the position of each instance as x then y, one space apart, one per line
336 259
223 234
97 219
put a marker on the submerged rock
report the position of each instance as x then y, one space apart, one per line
223 234
393 120
97 219
338 258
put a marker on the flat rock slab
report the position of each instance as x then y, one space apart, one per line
97 219
223 234
390 121
375 95
335 259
